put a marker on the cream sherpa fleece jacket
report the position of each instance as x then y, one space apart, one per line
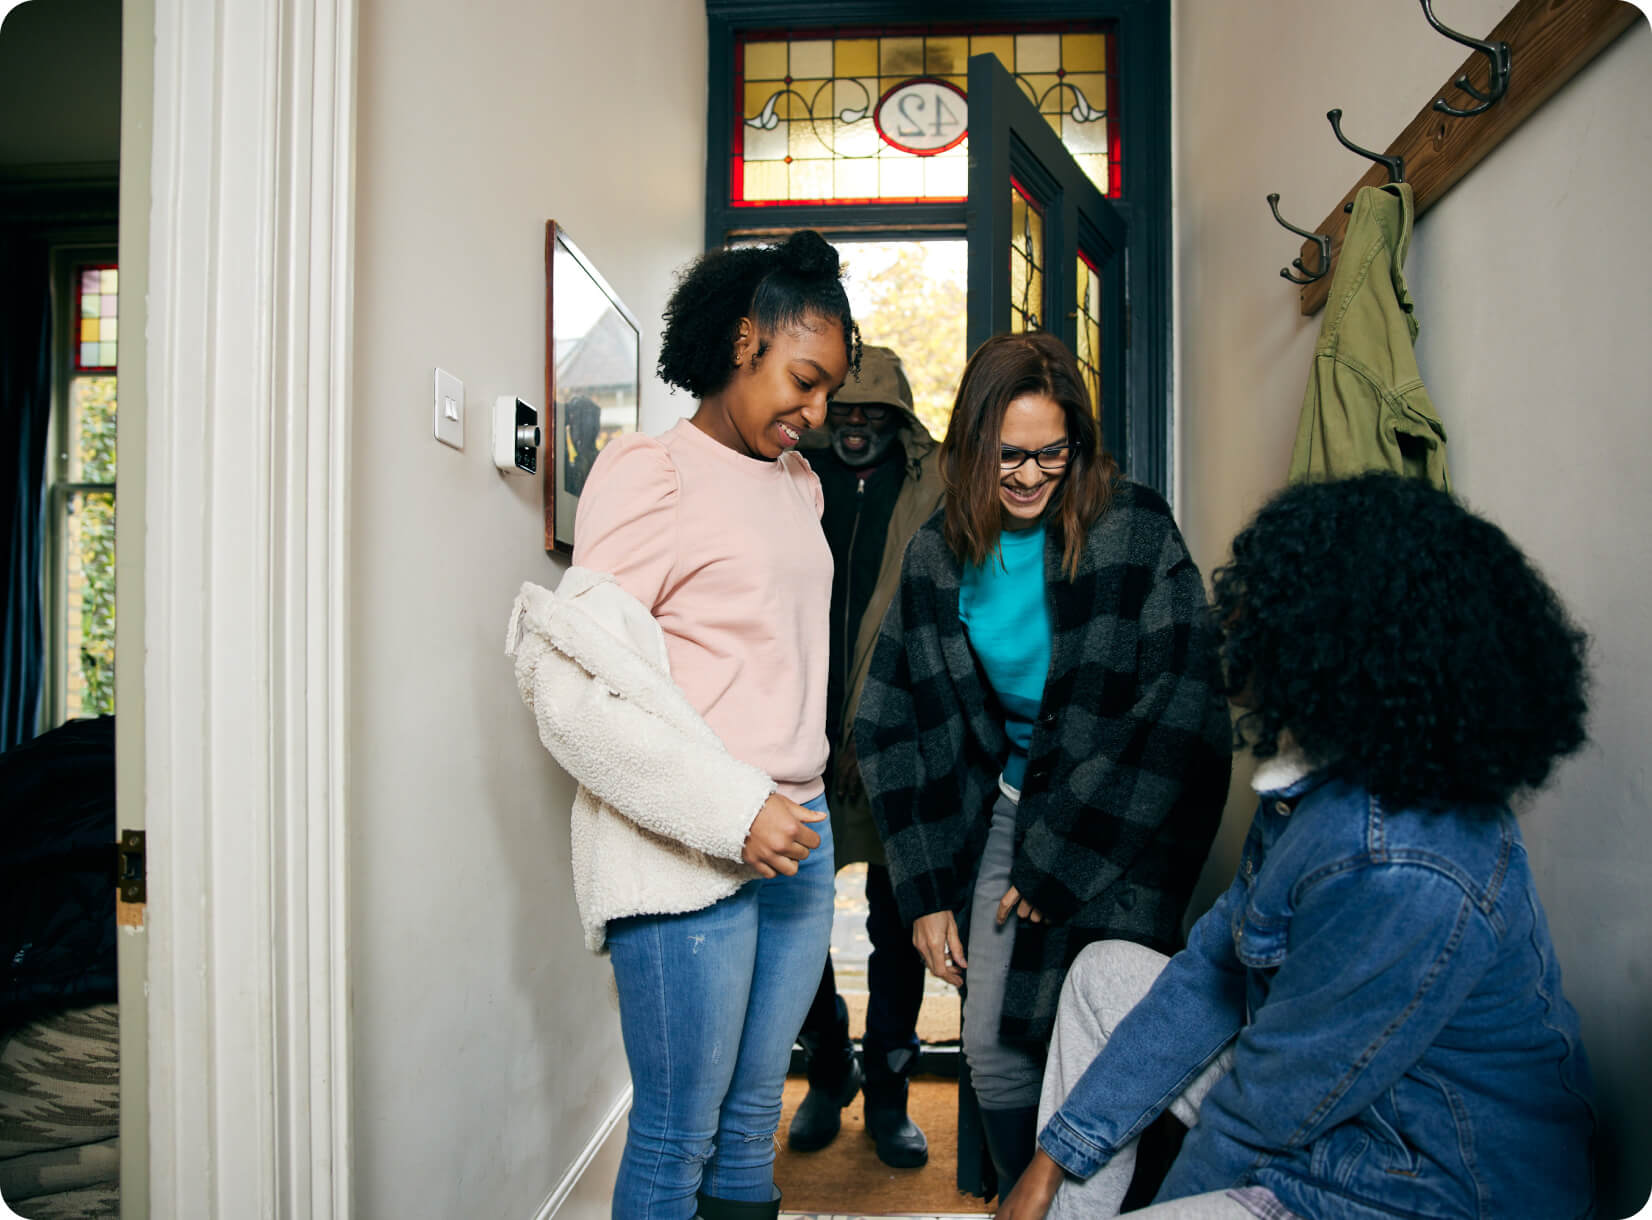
662 809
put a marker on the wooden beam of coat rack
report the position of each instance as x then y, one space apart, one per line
1549 42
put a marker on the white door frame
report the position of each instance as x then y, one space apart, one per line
245 601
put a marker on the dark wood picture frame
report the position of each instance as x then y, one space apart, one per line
593 377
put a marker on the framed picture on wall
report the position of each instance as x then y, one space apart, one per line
593 377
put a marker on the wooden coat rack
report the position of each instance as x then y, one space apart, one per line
1549 42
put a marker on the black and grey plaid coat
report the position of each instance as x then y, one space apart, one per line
1129 762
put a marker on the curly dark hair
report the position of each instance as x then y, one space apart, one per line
774 286
1402 640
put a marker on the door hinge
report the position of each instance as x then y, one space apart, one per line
131 877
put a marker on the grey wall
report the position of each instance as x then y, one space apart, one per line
60 83
1533 282
486 1043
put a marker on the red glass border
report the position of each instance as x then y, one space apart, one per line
1115 156
1019 189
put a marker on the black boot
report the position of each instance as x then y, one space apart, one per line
834 1079
1012 1138
901 1144
736 1209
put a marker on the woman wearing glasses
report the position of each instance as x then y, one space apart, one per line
1042 732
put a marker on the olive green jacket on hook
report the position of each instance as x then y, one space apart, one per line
1366 408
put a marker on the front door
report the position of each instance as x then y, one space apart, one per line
1046 248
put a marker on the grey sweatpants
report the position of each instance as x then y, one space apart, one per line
1106 981
1005 1077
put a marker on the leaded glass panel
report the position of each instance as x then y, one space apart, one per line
1088 348
1026 261
97 314
861 116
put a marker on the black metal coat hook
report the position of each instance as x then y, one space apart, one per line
1394 165
1496 53
1319 239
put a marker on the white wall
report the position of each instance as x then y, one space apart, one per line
1533 281
486 1045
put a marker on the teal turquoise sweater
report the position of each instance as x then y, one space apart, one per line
1007 619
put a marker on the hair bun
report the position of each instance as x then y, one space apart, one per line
806 253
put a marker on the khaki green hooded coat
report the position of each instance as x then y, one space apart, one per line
1365 407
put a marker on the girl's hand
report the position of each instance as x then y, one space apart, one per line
936 939
1034 1190
1012 901
780 837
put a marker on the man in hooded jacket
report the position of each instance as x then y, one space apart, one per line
877 469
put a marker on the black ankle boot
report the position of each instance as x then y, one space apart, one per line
901 1144
736 1209
834 1079
1012 1138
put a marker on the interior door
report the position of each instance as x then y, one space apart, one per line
1046 248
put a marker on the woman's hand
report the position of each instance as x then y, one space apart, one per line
780 836
1012 901
1034 1190
936 939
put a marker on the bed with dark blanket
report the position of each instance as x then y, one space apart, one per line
59 1025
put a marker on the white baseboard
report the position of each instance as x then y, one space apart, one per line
587 1188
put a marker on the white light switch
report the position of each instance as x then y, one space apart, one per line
450 410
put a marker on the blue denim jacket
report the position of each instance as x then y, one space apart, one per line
1403 1046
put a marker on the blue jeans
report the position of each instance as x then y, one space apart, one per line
710 1003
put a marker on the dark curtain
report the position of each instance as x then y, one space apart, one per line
25 419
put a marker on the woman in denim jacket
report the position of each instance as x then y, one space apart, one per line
1370 1022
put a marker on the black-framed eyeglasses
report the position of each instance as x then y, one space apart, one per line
875 412
1051 457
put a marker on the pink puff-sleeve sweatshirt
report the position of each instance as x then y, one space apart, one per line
728 554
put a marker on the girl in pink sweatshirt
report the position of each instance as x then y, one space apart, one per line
714 526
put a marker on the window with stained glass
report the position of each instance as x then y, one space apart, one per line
82 492
879 116
1088 348
97 318
1026 261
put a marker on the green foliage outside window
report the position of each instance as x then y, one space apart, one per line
910 296
91 537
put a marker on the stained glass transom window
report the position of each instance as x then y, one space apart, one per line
97 314
1026 261
1089 330
879 116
